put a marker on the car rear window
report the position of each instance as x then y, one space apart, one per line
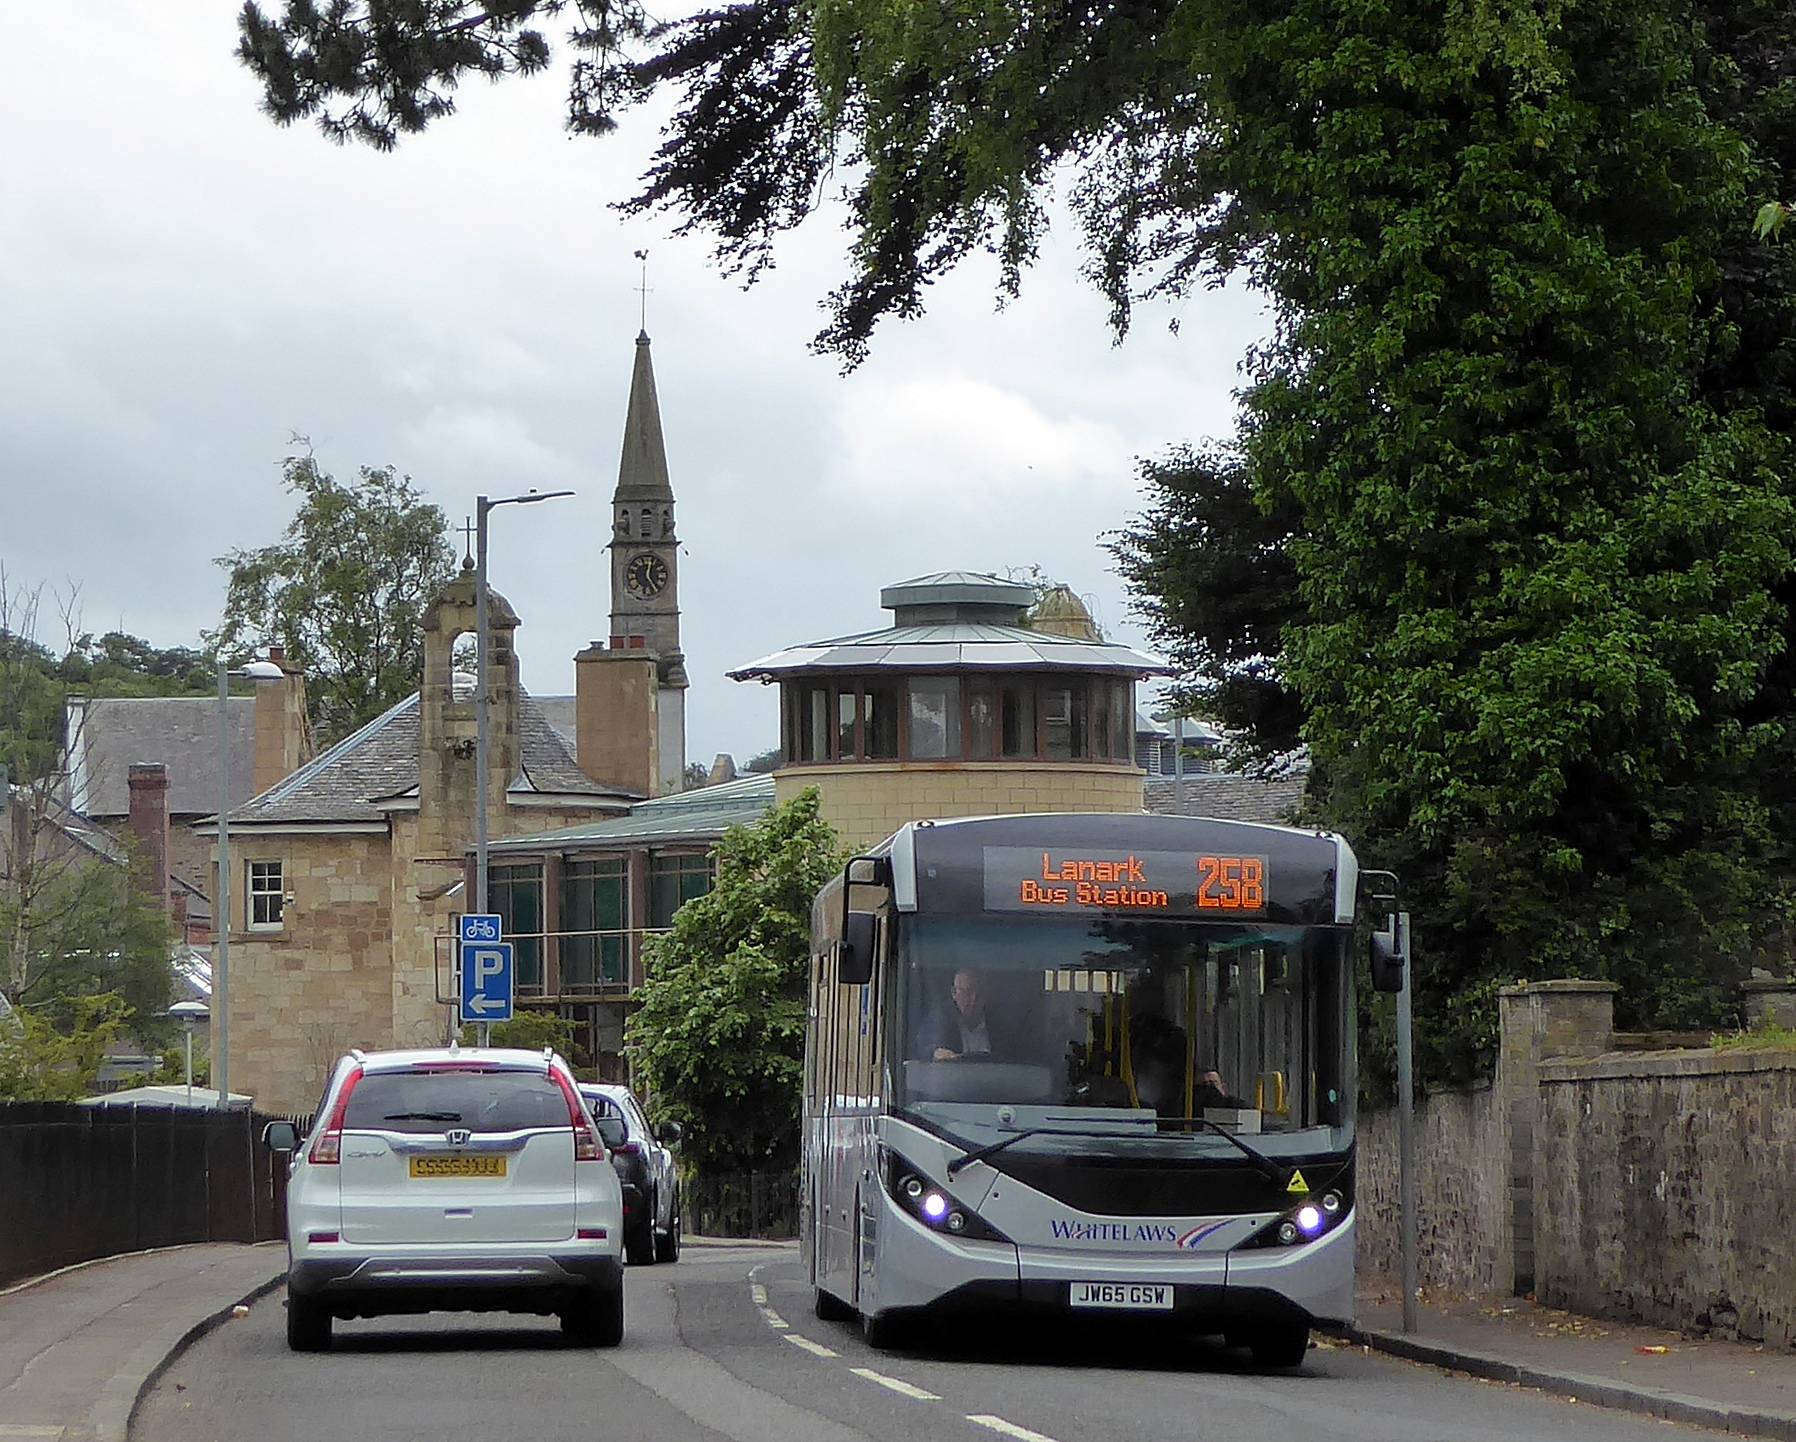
435 1101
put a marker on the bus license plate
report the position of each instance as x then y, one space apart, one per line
1126 1296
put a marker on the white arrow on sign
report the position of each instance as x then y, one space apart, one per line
481 1003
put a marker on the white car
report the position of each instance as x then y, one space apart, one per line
451 1179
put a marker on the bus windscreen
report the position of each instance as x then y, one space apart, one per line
1101 1015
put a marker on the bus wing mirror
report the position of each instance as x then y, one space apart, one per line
854 964
1390 953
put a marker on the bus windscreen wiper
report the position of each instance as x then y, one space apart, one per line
1263 1163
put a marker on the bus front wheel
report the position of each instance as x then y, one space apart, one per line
882 1333
1280 1345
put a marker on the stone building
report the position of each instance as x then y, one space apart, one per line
960 707
347 874
114 745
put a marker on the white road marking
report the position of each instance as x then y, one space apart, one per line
1009 1429
816 1349
774 1320
902 1388
759 1293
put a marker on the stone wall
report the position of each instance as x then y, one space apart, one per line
1662 1190
867 803
1462 1226
302 995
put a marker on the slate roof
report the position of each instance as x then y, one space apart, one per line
1228 796
380 763
179 731
702 814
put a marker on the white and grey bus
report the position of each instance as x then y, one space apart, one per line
1085 1064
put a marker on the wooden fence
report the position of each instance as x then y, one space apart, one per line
83 1182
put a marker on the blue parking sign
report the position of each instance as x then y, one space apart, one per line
487 972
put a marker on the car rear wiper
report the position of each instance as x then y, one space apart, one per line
1262 1163
422 1117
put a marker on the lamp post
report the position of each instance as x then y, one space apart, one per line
221 923
482 505
189 1014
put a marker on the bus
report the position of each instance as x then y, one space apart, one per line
1098 1065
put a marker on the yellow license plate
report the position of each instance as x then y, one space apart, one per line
458 1166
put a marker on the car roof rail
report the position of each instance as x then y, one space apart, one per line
356 1054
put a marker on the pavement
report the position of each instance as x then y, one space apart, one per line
79 1348
1732 1386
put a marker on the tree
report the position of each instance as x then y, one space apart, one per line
719 1032
345 591
73 924
42 1062
763 762
533 1030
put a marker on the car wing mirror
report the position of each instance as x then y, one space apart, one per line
280 1137
669 1133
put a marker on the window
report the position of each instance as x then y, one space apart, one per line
813 723
593 920
1122 718
880 723
846 746
673 881
935 718
267 895
1017 706
516 894
1063 714
982 720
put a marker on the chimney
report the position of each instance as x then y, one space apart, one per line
282 736
617 728
148 782
722 769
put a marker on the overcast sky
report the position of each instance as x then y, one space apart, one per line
185 285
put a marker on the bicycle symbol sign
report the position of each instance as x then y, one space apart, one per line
480 926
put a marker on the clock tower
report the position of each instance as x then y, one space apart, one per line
645 564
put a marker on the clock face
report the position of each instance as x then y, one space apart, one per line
645 575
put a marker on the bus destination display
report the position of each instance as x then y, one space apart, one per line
1159 883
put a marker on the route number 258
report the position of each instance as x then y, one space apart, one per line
1231 883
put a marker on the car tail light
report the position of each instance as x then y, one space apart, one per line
590 1234
587 1147
323 1237
327 1151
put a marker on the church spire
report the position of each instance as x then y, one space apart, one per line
642 471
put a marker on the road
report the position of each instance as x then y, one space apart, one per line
723 1345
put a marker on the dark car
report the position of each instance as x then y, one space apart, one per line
645 1169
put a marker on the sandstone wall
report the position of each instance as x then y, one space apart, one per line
867 803
1462 1223
302 995
1663 1193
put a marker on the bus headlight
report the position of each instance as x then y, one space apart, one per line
933 1205
1308 1220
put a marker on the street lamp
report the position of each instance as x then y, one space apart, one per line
482 505
221 924
189 1014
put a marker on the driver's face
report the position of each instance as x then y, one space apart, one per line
966 994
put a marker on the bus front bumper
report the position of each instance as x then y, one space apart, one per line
921 1270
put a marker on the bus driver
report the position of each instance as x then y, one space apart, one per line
964 1029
